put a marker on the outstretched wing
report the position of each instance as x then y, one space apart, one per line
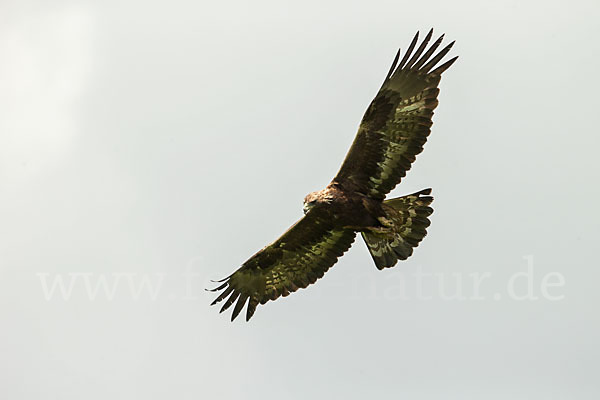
298 258
396 124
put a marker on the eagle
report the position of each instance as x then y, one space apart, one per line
392 132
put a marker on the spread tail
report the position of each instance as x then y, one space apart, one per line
409 217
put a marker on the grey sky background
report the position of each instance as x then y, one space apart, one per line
150 141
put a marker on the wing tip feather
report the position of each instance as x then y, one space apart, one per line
421 60
442 68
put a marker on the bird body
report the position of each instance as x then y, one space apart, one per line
349 209
391 134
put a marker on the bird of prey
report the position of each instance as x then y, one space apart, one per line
392 132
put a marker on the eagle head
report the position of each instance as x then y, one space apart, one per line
309 201
314 198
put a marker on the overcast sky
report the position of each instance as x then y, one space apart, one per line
147 148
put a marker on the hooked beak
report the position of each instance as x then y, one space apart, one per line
307 206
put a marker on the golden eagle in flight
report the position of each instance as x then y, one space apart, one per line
392 132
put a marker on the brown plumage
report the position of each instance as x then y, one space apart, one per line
391 134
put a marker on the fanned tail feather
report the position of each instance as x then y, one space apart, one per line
410 217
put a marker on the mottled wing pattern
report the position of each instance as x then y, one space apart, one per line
397 122
298 258
410 218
